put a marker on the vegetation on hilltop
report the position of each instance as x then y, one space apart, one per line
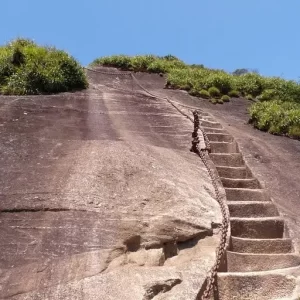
277 117
278 100
27 68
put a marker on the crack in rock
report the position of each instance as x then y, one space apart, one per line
37 209
156 288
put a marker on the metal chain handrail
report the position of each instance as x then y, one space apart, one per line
203 154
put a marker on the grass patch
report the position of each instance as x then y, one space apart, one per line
141 63
225 98
214 92
280 97
27 68
276 117
204 94
234 94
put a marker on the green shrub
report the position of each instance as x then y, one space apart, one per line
234 94
268 95
196 66
26 68
219 80
276 117
141 63
204 94
157 66
220 101
170 57
214 92
250 97
118 61
249 83
213 101
286 90
225 98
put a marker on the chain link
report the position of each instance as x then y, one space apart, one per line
203 153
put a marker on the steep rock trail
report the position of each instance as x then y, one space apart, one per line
263 255
261 259
95 203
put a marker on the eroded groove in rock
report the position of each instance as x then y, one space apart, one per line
36 209
157 288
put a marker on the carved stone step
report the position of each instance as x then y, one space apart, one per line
258 228
273 285
224 147
235 194
227 160
248 183
220 137
213 130
267 246
248 262
251 209
233 172
211 124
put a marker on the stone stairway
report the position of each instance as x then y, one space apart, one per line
260 250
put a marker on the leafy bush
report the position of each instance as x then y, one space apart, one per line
214 92
204 94
276 117
213 101
268 95
220 101
118 61
220 80
26 68
170 57
249 83
225 98
141 63
286 90
234 94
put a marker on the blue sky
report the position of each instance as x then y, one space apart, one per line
227 34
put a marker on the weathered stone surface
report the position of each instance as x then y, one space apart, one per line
101 199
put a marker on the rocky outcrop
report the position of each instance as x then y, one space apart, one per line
108 201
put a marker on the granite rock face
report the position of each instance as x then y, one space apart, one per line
101 199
